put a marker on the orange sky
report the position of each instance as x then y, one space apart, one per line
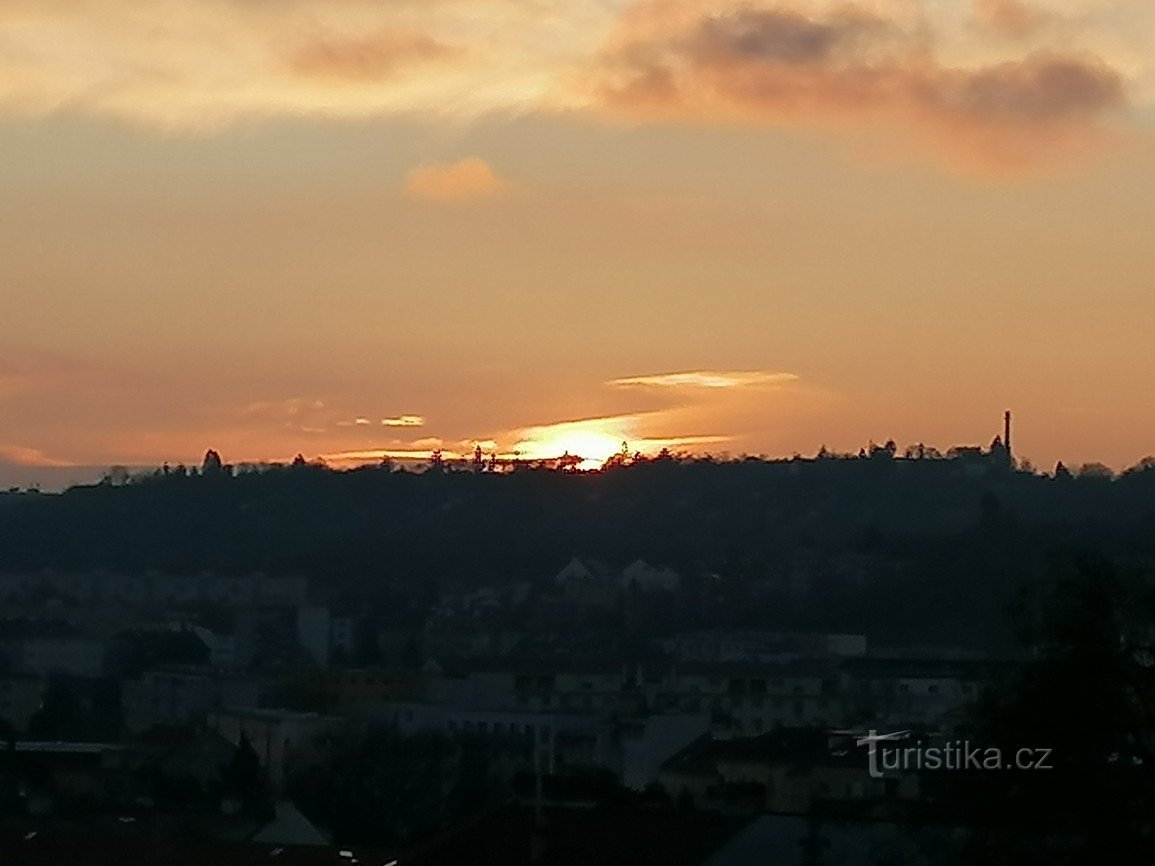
356 227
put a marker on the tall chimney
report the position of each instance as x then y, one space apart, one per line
1007 432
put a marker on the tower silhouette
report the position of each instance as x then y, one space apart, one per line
1007 432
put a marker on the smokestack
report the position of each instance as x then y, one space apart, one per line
1007 432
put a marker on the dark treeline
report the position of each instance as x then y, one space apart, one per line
906 550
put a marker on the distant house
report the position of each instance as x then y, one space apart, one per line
588 583
592 583
184 696
43 646
788 771
278 736
643 576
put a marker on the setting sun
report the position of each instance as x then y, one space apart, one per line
595 445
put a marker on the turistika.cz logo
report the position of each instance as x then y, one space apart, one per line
890 753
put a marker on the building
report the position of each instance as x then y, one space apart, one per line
279 737
20 698
184 696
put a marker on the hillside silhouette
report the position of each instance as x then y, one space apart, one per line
906 550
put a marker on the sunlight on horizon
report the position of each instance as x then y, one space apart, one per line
594 443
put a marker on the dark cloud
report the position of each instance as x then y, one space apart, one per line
781 66
781 36
1040 89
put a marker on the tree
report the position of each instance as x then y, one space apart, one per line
62 714
212 464
243 778
116 476
385 788
1097 471
1088 696
1145 465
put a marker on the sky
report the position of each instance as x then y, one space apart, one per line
350 228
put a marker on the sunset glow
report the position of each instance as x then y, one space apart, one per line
595 445
753 228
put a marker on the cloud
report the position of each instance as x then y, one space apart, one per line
468 179
998 81
852 66
409 449
1010 17
373 455
358 59
706 379
197 64
23 456
293 407
404 421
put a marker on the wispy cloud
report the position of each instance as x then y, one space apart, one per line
706 379
201 63
999 78
359 59
24 456
418 449
468 179
597 439
404 421
293 407
1011 18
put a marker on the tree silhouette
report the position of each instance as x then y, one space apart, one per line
212 464
1088 698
